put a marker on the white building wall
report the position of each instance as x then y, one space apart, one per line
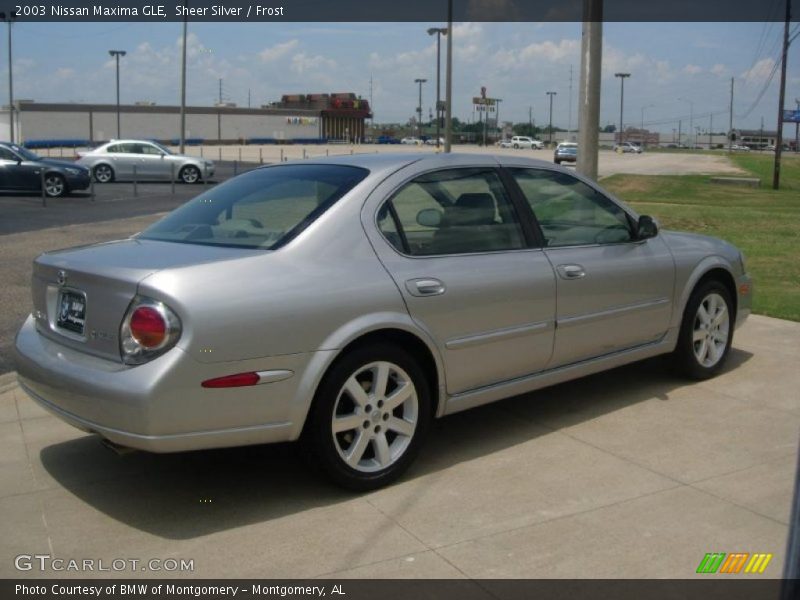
46 125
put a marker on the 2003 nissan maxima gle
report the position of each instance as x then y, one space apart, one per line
350 301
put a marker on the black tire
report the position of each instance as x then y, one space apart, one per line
516 146
558 162
685 355
326 447
55 185
190 174
103 173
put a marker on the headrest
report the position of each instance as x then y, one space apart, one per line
471 209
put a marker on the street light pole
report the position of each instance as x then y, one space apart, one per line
9 19
419 107
116 54
622 77
550 137
438 32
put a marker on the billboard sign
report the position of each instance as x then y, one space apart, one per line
791 116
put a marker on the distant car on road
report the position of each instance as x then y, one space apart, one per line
522 141
116 161
740 148
628 147
566 152
411 141
21 170
432 141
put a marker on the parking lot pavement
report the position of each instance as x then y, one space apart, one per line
631 473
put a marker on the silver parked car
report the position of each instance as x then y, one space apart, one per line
116 161
349 301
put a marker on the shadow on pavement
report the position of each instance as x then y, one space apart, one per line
183 496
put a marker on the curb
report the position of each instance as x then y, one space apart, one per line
8 382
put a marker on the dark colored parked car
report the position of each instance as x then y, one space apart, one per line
21 171
387 139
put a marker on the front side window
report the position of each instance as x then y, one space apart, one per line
6 154
264 208
454 211
571 213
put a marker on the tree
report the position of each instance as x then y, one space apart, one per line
609 129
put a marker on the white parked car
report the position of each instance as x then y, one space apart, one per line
432 141
628 147
521 141
411 141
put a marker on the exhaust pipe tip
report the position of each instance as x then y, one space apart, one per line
116 448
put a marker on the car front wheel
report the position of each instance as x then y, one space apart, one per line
54 185
103 174
706 331
190 174
369 417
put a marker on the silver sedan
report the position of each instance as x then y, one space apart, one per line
121 160
348 302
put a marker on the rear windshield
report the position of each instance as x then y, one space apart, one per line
264 208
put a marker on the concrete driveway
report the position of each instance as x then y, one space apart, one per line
631 473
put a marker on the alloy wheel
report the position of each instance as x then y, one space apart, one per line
103 173
190 175
711 330
54 185
375 417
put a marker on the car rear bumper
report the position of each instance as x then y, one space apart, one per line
160 406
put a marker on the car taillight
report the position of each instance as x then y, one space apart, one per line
149 329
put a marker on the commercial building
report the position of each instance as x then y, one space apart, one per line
301 118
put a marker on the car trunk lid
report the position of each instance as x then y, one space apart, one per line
81 295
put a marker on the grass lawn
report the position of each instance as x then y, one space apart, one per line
764 223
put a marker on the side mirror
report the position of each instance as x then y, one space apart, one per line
429 217
646 228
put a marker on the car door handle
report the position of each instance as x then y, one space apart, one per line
425 287
570 271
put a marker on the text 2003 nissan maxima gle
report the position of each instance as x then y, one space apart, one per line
350 301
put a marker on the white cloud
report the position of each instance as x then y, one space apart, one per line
301 63
692 69
719 70
277 51
759 71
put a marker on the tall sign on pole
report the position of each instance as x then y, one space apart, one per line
776 174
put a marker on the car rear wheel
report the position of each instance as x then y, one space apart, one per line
706 331
516 146
103 174
54 185
369 417
190 174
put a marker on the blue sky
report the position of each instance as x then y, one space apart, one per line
517 62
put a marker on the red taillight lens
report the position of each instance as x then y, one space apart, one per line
238 380
148 327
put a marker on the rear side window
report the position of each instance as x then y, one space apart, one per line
454 211
264 208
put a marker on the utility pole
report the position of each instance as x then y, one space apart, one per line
550 137
691 117
220 92
776 174
679 133
497 114
183 85
248 97
589 88
116 54
419 107
730 122
644 138
622 77
710 129
569 120
371 110
448 120
797 127
530 121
